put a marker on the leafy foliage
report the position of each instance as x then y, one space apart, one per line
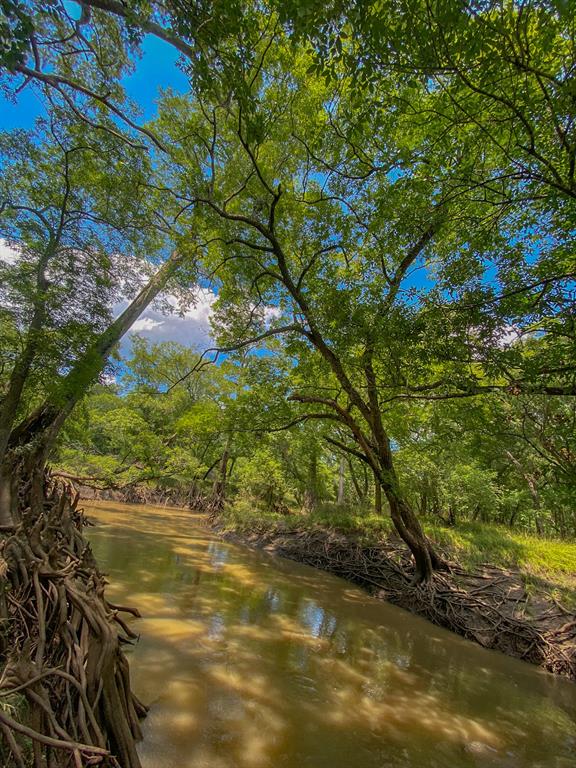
380 194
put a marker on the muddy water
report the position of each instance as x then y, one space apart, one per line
251 661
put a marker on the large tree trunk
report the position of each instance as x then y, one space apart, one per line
405 520
6 497
23 458
10 402
341 469
407 524
32 440
64 639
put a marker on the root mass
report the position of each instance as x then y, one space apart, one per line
65 696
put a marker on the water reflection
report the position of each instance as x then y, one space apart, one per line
251 661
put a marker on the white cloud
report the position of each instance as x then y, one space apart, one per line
8 254
508 335
191 328
272 313
145 324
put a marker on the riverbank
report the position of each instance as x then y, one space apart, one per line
132 494
247 659
521 603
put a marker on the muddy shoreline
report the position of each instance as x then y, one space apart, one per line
136 494
489 606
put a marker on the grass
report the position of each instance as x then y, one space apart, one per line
545 564
246 515
477 543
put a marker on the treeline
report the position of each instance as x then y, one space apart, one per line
218 437
380 195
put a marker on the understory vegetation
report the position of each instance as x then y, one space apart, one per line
373 206
219 435
199 443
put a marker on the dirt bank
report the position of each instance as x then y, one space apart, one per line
489 605
134 494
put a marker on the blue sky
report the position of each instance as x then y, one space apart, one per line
156 69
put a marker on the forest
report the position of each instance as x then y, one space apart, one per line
371 206
225 438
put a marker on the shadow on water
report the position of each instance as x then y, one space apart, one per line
251 661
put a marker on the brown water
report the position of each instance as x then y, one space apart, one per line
251 661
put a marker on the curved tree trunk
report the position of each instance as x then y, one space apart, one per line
37 433
408 526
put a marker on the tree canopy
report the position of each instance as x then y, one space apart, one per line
381 198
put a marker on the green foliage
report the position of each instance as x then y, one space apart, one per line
261 477
72 213
382 198
457 463
15 28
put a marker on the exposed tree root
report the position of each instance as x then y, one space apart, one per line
491 609
61 649
131 493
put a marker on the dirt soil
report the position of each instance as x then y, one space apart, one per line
490 605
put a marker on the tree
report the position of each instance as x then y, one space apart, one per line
261 196
326 210
76 53
77 213
77 61
502 458
372 194
497 74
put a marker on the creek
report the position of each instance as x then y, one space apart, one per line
248 660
